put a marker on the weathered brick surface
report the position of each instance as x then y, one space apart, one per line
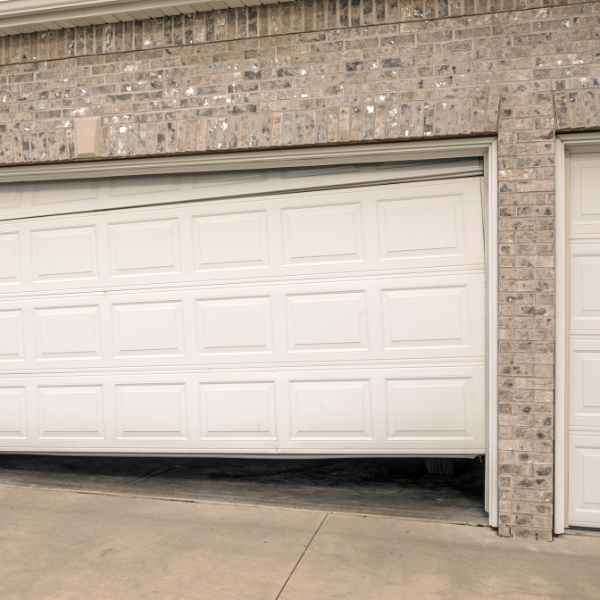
579 109
315 72
281 19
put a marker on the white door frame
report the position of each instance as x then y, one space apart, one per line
487 148
565 145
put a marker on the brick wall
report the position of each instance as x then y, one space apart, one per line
315 72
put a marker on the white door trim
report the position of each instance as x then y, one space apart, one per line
253 159
560 343
491 268
571 143
383 152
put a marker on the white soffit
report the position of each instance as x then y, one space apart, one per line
28 16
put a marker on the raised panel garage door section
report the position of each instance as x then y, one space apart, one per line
340 321
584 342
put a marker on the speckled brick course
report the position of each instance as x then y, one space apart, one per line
318 72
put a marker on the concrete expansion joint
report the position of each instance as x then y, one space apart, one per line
301 556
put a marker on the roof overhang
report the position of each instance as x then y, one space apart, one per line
28 16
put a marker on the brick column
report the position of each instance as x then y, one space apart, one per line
526 322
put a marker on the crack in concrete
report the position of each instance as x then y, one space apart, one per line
302 555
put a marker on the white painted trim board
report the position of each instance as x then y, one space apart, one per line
253 159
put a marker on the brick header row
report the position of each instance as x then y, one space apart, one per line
275 19
437 118
397 121
385 121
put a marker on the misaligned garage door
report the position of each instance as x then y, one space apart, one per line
324 322
584 324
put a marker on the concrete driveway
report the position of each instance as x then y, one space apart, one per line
64 545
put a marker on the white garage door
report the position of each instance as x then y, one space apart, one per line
584 401
322 322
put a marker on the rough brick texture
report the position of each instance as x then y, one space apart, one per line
316 72
577 109
270 20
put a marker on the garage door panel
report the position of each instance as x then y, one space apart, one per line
237 240
238 412
584 200
71 412
584 342
584 405
54 412
585 287
11 197
156 185
434 316
327 321
145 247
351 410
13 414
46 333
323 234
151 412
345 321
11 336
395 408
584 479
380 318
432 409
242 240
332 410
68 332
420 225
30 199
342 319
60 192
92 411
10 260
428 317
148 329
241 325
64 254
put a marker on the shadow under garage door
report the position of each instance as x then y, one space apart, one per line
394 487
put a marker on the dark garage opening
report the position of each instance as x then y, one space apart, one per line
395 487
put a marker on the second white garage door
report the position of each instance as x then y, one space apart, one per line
584 342
346 321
